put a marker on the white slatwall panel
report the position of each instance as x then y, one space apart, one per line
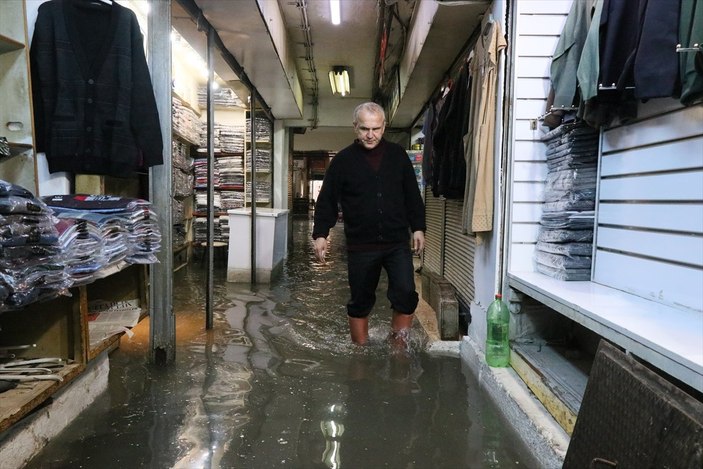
538 26
649 234
670 284
688 218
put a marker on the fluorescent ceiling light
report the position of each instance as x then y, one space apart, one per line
339 80
335 13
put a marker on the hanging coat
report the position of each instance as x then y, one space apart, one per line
691 63
478 206
448 139
656 67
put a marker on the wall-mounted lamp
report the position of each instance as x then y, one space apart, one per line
339 80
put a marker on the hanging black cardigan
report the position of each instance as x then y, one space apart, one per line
378 207
94 115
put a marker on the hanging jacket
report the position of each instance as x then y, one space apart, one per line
448 140
691 63
94 105
656 66
568 53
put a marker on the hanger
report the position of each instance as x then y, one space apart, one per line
488 24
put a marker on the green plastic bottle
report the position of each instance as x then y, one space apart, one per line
498 322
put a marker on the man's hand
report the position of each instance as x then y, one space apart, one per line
418 242
319 245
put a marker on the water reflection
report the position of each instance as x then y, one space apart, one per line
278 383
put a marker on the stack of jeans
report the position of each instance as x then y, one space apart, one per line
565 239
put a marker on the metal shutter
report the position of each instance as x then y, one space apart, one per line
459 249
434 235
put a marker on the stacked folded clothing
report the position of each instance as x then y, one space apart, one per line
220 229
31 259
185 121
225 139
223 234
182 183
263 191
231 199
201 201
262 160
223 97
231 172
84 248
128 227
200 167
565 241
263 129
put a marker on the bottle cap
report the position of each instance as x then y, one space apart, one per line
498 296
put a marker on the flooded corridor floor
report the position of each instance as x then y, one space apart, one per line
277 383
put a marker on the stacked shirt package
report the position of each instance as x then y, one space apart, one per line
220 229
185 121
225 138
262 160
182 169
222 97
31 259
263 190
263 129
100 231
565 240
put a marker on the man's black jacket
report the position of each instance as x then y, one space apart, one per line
94 106
378 207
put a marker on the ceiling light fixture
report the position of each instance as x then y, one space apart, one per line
335 12
339 80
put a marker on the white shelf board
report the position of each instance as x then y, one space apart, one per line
669 338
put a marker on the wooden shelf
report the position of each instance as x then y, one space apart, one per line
20 401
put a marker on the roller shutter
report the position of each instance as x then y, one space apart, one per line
459 249
434 235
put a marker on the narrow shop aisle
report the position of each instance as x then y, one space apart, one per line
277 383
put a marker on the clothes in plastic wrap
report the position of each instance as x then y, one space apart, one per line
564 242
31 260
128 226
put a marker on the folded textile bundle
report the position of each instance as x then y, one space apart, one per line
129 226
31 260
564 242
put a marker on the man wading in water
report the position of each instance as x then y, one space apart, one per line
374 182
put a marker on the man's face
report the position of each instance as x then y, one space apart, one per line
369 129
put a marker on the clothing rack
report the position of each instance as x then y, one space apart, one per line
695 48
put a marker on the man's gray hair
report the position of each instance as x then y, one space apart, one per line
368 107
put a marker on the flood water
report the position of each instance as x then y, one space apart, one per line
277 383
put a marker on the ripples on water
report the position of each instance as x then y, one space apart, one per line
278 383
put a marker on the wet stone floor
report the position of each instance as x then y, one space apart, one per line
277 383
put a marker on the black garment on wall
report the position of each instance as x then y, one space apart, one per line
94 105
656 63
450 172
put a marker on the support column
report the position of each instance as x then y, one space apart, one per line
162 322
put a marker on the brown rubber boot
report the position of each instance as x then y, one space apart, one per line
359 328
400 330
